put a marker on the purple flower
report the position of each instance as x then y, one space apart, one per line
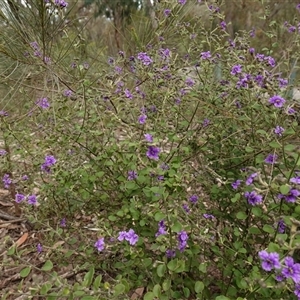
34 45
291 111
25 177
63 222
297 286
194 199
132 237
295 180
86 65
278 130
43 103
186 208
167 12
205 122
142 119
146 60
170 253
19 198
148 137
253 198
251 50
128 94
32 200
292 196
39 248
2 152
271 61
3 113
132 175
182 240
269 260
6 181
292 29
73 65
252 32
277 101
190 82
260 57
164 166
68 93
236 184
182 2
281 226
298 7
223 25
250 179
236 70
205 55
282 82
122 236
48 163
271 159
291 270
153 152
208 216
129 236
161 228
100 244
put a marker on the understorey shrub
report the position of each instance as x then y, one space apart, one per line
184 159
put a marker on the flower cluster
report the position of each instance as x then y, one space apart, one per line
31 199
48 163
289 269
182 240
144 58
161 228
253 198
6 181
43 103
130 236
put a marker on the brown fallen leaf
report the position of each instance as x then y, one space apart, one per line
137 294
22 239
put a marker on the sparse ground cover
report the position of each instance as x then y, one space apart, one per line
169 173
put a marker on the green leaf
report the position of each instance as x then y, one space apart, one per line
257 211
157 290
112 218
149 296
160 270
25 272
11 250
249 149
254 230
166 285
275 145
236 198
284 189
48 265
268 228
202 268
89 298
186 292
159 216
241 215
290 147
173 264
119 289
177 227
88 277
222 298
199 287
45 288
